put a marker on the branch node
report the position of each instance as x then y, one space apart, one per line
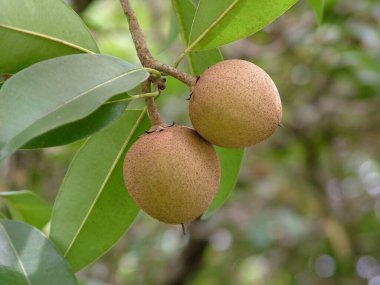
143 52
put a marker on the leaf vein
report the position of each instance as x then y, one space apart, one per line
50 38
220 18
105 180
16 254
76 97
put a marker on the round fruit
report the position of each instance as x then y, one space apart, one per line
235 104
173 175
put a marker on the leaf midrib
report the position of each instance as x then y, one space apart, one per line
16 254
181 21
47 37
105 180
185 36
73 99
219 19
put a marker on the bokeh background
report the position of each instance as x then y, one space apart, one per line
306 209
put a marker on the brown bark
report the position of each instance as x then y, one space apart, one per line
189 262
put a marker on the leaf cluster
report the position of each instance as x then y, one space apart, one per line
62 89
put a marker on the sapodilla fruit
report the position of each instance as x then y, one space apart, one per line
235 104
172 175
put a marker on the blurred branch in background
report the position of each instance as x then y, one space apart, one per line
189 262
81 5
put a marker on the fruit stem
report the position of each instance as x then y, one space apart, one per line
154 115
153 72
134 97
143 52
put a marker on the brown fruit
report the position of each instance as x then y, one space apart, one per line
173 175
235 104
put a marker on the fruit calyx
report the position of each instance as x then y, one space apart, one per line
159 128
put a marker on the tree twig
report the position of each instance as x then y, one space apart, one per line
154 115
143 51
138 38
186 78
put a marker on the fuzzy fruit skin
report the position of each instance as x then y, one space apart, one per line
235 104
172 175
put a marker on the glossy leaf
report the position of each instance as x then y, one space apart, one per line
185 12
59 91
80 129
318 7
199 61
93 209
230 159
36 30
219 22
27 207
27 257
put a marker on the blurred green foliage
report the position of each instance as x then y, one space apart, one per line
307 206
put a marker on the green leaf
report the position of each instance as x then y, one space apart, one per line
27 207
198 61
36 30
230 159
185 12
220 22
80 129
59 91
27 257
2 216
93 209
318 7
